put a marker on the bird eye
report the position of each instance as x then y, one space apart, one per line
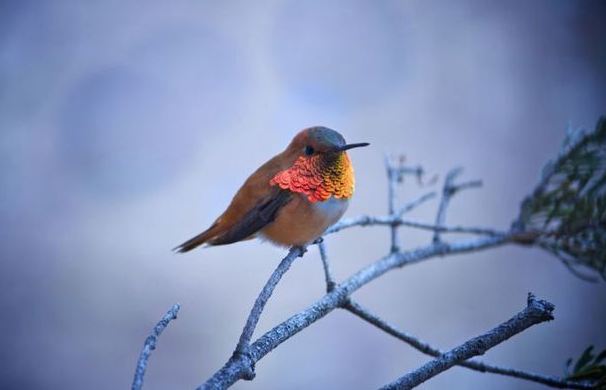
309 150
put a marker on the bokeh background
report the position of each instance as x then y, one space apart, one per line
126 127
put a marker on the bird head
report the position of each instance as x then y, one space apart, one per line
320 166
321 141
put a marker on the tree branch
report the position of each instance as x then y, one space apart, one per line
536 311
259 305
393 177
569 262
366 220
358 310
245 369
330 281
150 345
363 313
416 203
448 191
239 364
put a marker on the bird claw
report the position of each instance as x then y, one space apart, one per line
318 240
302 250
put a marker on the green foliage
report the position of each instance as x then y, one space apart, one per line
588 367
567 210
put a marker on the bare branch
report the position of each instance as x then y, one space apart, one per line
245 367
393 177
416 203
448 191
239 364
452 229
446 195
330 281
257 309
366 220
150 345
405 170
536 311
363 220
421 346
468 185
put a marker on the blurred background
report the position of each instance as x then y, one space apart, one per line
126 127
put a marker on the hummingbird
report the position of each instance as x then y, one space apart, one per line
292 198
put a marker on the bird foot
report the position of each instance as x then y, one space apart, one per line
302 249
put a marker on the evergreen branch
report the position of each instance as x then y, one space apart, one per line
568 205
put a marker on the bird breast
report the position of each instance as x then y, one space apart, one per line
300 221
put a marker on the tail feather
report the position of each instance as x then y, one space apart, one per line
202 238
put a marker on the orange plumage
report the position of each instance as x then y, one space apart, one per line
318 177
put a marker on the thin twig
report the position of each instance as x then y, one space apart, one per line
363 313
366 220
257 309
393 177
404 170
448 191
330 280
451 229
446 194
150 345
536 311
467 185
246 367
416 203
569 262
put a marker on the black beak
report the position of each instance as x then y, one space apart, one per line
351 146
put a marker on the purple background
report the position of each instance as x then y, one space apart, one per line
126 126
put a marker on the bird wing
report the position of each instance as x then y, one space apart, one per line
254 220
248 223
